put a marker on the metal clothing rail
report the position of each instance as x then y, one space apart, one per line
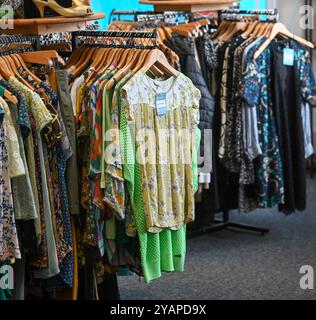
120 13
118 34
15 51
129 35
15 39
269 12
239 17
237 14
149 15
164 16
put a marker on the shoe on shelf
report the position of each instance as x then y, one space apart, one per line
80 8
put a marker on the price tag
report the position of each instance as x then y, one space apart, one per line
161 104
288 57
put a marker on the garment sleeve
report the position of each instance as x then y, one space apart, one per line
250 85
196 96
16 167
114 193
307 78
195 159
306 120
41 114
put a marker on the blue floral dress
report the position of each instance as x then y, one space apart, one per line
256 91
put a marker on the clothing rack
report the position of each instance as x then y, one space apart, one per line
225 223
132 35
238 17
269 12
149 15
120 13
15 39
164 16
237 14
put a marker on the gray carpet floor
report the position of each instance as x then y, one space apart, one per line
241 266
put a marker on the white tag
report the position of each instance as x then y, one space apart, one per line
161 104
288 57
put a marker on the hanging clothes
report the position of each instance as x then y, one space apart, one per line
35 216
253 140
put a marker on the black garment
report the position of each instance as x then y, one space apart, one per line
227 184
233 134
185 48
109 289
207 57
201 78
287 107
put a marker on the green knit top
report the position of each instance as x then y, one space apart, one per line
160 252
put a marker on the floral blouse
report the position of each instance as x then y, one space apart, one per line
9 246
166 161
16 167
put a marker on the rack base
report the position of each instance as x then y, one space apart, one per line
226 224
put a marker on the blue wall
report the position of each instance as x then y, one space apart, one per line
108 6
252 4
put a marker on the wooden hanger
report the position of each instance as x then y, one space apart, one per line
280 29
110 57
168 32
259 30
134 58
250 27
11 65
126 56
229 28
221 29
140 61
137 61
5 71
189 28
158 59
74 57
263 29
78 60
82 63
8 95
128 53
231 31
117 57
20 63
127 59
98 57
269 29
41 57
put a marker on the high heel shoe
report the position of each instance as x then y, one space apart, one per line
78 10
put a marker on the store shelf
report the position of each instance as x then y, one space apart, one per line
42 26
189 6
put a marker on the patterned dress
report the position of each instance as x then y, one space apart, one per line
256 91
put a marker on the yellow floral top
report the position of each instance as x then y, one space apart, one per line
166 146
16 167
